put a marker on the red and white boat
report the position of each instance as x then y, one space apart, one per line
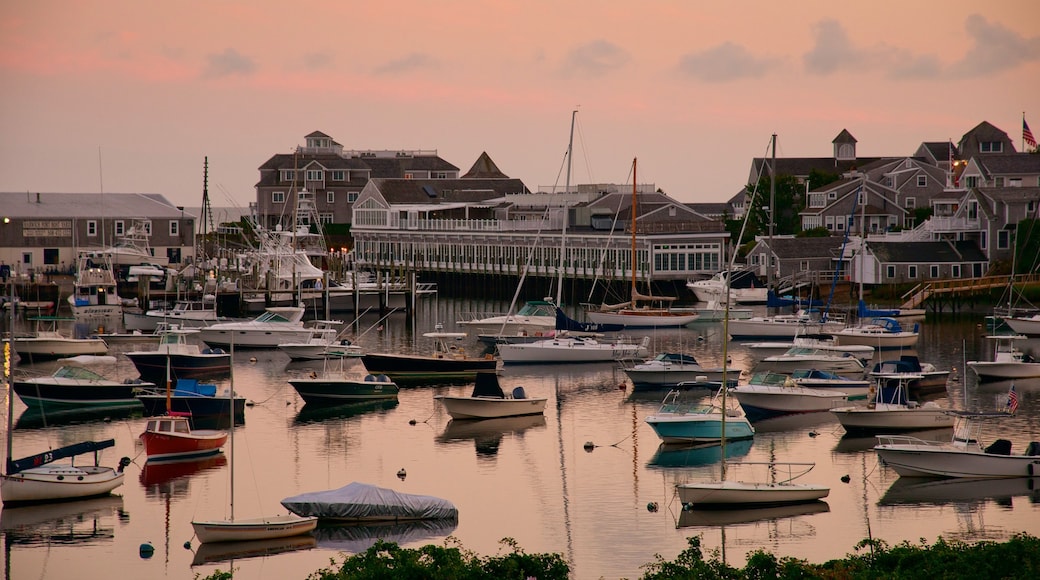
172 437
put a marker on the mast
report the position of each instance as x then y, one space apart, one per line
772 212
8 363
231 412
563 231
634 212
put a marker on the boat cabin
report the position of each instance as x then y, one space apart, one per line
177 425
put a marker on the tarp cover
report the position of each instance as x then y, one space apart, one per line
362 501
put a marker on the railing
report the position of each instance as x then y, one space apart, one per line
918 294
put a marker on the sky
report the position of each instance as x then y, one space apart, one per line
120 96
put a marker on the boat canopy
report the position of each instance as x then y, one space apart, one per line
487 386
365 502
18 465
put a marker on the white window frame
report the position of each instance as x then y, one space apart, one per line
922 181
315 175
933 272
175 228
352 196
339 175
120 227
288 175
92 228
148 228
277 197
1014 182
326 218
890 272
1003 239
910 203
911 272
330 196
955 271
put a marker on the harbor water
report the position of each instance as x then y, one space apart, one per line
582 480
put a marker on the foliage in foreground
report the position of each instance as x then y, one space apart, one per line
1018 557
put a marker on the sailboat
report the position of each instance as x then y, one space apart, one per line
261 528
171 436
743 494
36 479
631 314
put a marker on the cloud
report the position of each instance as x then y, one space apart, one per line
594 59
833 50
725 62
317 60
228 63
995 49
409 62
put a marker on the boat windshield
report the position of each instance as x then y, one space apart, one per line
78 373
537 308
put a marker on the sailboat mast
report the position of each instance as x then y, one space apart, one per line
231 412
772 214
634 212
8 362
169 402
563 230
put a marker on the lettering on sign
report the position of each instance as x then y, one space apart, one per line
47 229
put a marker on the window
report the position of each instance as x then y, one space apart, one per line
832 195
890 272
439 175
1003 239
326 218
1014 182
50 256
352 196
998 182
933 272
339 175
148 228
911 272
863 198
1031 206
408 175
91 227
817 200
120 228
911 202
277 197
991 147
955 270
330 196
27 258
971 181
804 265
175 228
288 175
314 175
922 181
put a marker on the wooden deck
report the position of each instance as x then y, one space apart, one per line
967 286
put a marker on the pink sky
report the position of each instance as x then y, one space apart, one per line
125 96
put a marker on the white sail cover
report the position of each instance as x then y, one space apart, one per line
365 502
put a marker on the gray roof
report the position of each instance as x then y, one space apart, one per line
1010 164
788 248
485 168
926 252
93 205
418 191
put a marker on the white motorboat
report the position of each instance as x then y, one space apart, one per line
324 343
745 287
534 318
809 357
760 350
782 326
1008 361
94 295
48 343
962 456
768 492
668 369
573 349
278 325
185 314
880 333
489 401
769 394
892 410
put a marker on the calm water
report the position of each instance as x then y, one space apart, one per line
530 479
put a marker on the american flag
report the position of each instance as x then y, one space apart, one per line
1012 401
1027 135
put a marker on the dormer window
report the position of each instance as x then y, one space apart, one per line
991 147
288 174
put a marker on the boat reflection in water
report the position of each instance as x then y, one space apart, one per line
943 491
87 521
726 517
697 455
487 434
158 473
356 538
857 444
319 413
34 418
230 551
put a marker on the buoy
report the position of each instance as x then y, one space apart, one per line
687 507
401 473
146 550
252 359
622 386
589 446
651 507
411 422
845 479
187 545
813 433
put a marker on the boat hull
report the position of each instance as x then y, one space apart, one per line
153 365
765 328
998 371
56 482
253 338
767 401
50 349
660 378
865 420
699 429
881 341
196 406
490 407
910 460
405 367
635 319
337 392
567 350
737 493
46 394
266 528
840 364
198 443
